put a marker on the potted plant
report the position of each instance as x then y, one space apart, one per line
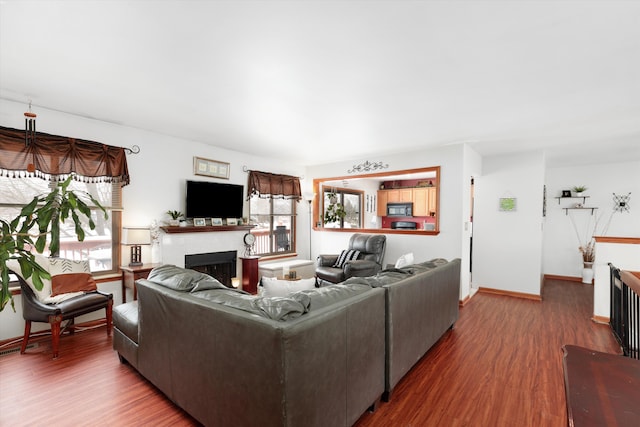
335 211
46 213
578 190
175 217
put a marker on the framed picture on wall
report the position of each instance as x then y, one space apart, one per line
508 204
208 167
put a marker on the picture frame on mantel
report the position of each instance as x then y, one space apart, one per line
212 168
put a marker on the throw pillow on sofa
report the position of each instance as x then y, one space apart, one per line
404 260
346 255
272 287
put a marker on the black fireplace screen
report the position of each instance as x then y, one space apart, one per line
220 265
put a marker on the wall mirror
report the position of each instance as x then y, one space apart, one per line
403 202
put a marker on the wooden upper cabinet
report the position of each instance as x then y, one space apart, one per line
433 200
401 195
382 203
420 202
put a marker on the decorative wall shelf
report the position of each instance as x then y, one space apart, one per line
586 208
584 199
205 229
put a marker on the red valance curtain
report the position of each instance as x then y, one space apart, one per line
52 155
269 185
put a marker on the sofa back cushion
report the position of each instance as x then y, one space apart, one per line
183 279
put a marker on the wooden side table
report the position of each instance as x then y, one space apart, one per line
131 274
250 274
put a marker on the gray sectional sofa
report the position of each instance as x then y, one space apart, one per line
421 304
319 357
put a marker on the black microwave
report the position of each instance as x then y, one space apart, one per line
399 209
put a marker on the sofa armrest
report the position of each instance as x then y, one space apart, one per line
361 268
326 260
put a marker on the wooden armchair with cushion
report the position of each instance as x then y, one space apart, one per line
362 258
71 292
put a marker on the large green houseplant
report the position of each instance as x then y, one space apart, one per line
46 213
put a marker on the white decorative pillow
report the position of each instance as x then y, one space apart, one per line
404 260
272 287
68 276
43 261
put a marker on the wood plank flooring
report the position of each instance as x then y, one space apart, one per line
500 366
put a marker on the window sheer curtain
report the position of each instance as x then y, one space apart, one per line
53 156
273 186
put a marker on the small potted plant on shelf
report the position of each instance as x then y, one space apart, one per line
175 217
578 190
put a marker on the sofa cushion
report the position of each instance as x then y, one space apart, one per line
327 295
182 279
125 318
272 287
345 256
276 308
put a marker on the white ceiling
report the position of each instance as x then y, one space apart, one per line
320 81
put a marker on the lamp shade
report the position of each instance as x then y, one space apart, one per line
136 236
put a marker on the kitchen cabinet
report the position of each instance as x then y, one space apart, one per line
398 195
420 202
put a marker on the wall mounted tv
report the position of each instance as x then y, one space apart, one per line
214 200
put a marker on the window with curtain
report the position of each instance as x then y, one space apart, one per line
28 170
272 207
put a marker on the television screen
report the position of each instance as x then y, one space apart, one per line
214 200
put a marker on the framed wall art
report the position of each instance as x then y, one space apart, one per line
208 167
508 204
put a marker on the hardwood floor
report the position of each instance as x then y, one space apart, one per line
501 365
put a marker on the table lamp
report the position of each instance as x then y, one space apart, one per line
135 237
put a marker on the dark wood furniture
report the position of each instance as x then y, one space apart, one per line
602 389
130 275
250 274
33 310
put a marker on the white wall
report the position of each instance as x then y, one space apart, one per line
507 246
472 167
561 255
445 245
158 175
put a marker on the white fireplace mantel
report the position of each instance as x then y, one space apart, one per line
175 246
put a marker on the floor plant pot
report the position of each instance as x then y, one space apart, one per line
587 272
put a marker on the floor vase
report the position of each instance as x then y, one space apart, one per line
587 273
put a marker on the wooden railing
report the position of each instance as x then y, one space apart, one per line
625 310
262 244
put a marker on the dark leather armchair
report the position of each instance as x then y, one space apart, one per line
368 263
35 311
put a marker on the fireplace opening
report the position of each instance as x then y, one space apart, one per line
220 265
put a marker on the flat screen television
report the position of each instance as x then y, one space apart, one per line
214 200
